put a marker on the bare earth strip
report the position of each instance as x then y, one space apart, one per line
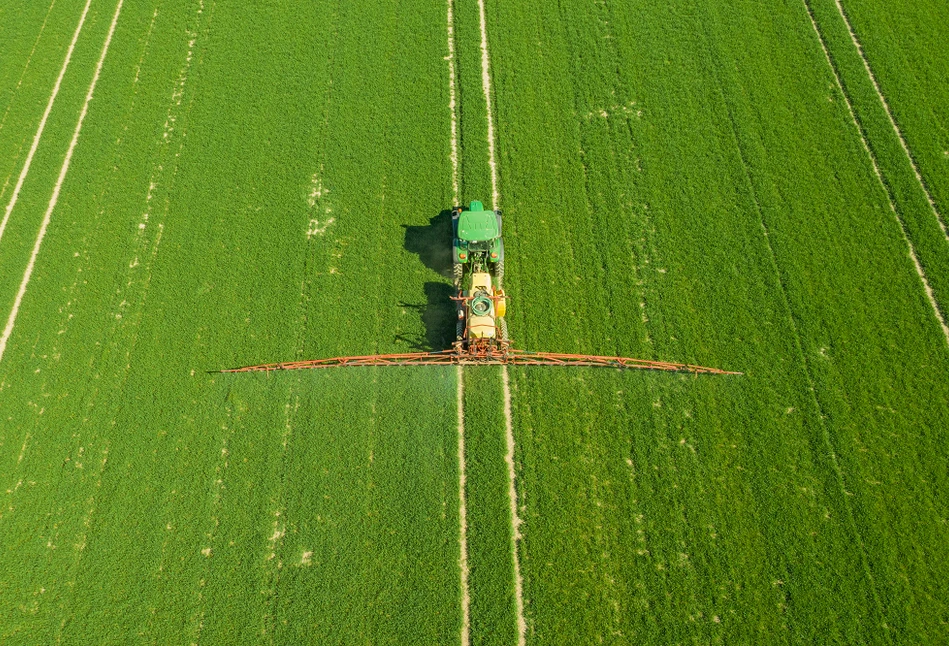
8 330
876 170
889 114
515 520
452 105
463 514
459 373
508 422
39 129
486 86
67 316
806 367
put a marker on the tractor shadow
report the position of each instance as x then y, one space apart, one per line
432 244
438 315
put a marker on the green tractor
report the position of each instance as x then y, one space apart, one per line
477 242
477 246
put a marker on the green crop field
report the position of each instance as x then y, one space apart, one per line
189 185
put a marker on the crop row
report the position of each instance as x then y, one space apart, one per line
238 195
267 183
20 233
902 42
33 53
683 193
493 606
929 241
472 108
493 618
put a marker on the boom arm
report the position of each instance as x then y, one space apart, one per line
508 357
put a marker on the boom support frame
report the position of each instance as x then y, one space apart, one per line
486 356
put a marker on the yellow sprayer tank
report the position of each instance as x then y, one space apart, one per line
481 323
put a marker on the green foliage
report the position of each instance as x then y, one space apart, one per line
903 44
681 182
692 196
26 110
913 208
276 161
472 110
491 581
29 66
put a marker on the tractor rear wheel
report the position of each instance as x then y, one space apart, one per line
458 272
499 271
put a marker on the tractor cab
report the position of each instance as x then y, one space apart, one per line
477 225
477 237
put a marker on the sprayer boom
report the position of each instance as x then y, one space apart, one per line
488 357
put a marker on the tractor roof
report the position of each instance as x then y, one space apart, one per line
478 225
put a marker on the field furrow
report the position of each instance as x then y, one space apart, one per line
34 187
192 185
37 245
493 509
912 202
493 600
196 512
18 184
20 49
37 37
900 47
733 505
